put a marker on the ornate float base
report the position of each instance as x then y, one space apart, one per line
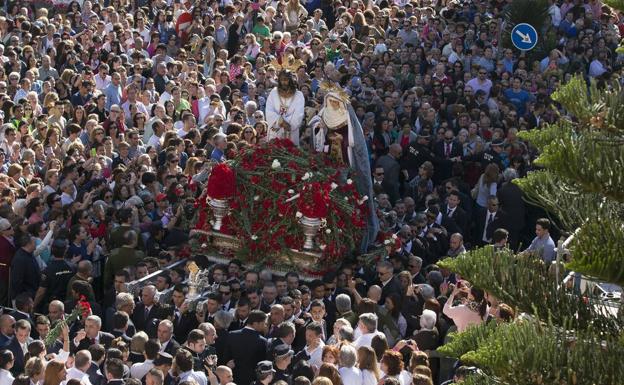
216 246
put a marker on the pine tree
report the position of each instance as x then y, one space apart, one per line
565 337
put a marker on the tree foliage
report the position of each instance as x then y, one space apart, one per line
563 337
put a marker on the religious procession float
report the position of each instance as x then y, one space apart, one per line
280 206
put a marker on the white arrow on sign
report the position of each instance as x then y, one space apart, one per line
525 38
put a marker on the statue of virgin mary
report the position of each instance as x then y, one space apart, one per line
336 132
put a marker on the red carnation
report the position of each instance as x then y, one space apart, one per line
85 306
314 200
222 182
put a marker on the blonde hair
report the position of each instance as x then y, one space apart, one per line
34 367
137 344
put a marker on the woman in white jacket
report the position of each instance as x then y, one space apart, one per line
367 362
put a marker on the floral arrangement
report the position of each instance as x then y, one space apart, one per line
390 241
222 182
83 308
276 185
313 201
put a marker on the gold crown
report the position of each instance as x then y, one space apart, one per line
327 87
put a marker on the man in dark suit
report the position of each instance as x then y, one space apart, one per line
110 293
510 198
284 335
120 326
388 281
247 347
91 334
24 307
446 150
7 250
165 336
454 218
19 345
7 329
184 320
25 272
114 371
240 314
147 309
392 170
489 220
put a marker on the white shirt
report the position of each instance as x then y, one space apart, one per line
66 199
368 377
316 355
489 217
365 339
164 97
154 141
163 346
101 83
140 369
6 378
199 377
555 15
350 376
182 133
596 68
77 374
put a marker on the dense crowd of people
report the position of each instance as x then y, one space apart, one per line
113 112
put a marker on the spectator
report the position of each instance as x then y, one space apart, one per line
6 364
367 363
542 244
472 311
247 347
349 374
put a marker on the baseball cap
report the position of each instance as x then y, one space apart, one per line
282 350
161 197
264 367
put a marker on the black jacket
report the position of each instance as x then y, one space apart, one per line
18 355
139 319
25 274
392 287
246 347
105 339
172 347
499 221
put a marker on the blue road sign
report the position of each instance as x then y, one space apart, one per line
524 36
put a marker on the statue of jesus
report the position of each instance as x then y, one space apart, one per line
285 109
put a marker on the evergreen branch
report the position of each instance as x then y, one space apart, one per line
588 160
617 4
468 340
568 203
522 282
597 250
529 352
480 379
